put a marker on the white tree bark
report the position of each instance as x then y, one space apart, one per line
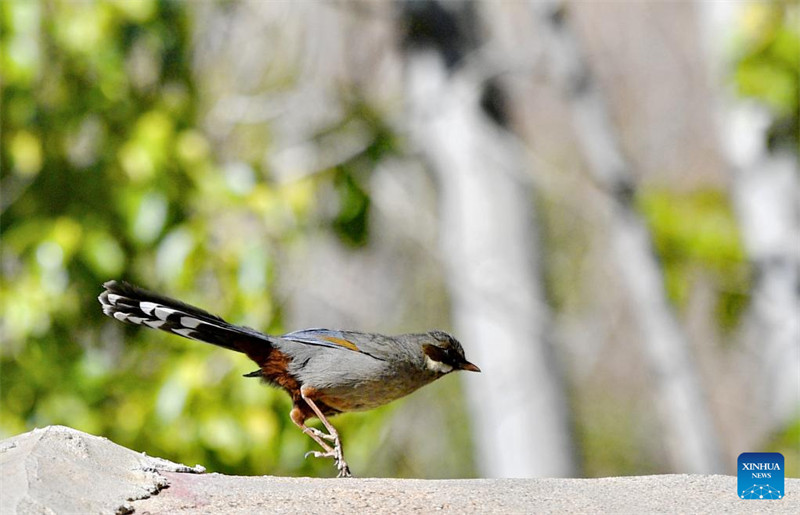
766 194
490 244
691 439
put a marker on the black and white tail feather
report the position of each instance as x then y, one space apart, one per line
133 305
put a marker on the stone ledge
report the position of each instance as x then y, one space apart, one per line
61 470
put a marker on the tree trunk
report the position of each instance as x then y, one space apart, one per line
766 194
520 413
691 439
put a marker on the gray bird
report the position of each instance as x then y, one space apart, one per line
325 372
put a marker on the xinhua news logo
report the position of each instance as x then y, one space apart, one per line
761 475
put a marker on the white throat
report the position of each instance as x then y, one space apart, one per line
437 366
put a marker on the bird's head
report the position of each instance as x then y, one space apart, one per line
443 354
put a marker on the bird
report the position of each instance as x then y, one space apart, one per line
325 372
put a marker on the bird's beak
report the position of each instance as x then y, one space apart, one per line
469 366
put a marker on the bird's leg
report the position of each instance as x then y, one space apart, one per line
299 420
336 453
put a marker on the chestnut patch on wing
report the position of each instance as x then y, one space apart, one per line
341 341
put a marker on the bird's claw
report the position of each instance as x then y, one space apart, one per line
338 458
344 470
341 465
321 434
318 454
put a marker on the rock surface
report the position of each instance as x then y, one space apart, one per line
61 470
214 493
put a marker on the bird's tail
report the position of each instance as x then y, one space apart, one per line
133 305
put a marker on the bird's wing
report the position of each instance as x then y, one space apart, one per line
330 338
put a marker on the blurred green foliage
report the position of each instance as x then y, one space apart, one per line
768 66
350 178
697 233
786 442
106 175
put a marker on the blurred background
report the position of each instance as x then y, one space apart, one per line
600 200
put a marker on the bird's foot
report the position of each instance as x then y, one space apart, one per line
338 459
341 465
332 436
320 454
344 469
316 432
